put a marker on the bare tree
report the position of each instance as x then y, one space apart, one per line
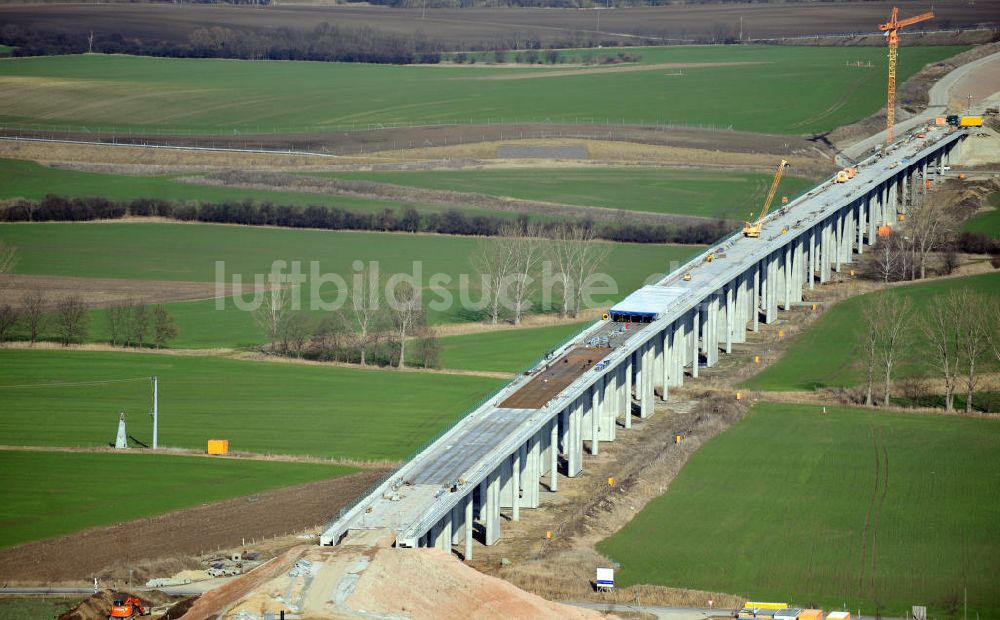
590 257
868 346
295 333
366 309
941 333
9 317
561 252
895 313
272 313
332 335
33 306
887 261
164 327
960 328
71 319
8 257
407 315
975 338
429 350
118 317
138 324
525 245
493 260
929 227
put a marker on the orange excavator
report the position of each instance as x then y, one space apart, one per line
131 607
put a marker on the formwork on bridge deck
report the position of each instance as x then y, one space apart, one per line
555 378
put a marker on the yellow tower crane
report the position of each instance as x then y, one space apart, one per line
752 229
891 30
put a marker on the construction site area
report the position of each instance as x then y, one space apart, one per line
758 421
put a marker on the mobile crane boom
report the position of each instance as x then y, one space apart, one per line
752 229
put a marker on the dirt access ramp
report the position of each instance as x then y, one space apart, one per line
351 581
150 546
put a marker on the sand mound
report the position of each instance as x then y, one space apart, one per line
427 583
359 581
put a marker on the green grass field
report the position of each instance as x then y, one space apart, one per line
511 350
190 251
25 179
785 506
713 194
813 88
824 355
48 494
6 50
19 608
987 223
258 406
705 193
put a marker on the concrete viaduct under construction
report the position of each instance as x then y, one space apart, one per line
533 430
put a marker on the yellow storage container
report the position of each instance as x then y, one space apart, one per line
218 446
759 605
970 121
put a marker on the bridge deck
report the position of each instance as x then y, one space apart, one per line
421 491
556 377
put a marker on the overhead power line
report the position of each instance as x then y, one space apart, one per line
74 384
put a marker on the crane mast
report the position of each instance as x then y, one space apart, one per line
753 229
891 30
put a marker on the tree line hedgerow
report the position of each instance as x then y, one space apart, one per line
264 213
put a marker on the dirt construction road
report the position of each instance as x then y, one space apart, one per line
112 550
985 71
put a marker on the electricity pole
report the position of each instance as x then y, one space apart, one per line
156 385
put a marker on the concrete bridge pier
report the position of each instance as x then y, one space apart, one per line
665 362
646 388
695 326
574 457
627 389
609 407
492 517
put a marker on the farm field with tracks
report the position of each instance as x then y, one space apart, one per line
321 411
48 494
70 93
727 194
878 511
25 179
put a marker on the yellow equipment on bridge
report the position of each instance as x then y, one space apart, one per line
753 229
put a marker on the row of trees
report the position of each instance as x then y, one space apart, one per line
38 316
367 330
551 57
324 42
133 324
930 230
509 263
381 318
955 334
405 219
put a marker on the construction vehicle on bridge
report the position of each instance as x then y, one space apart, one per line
752 229
131 607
